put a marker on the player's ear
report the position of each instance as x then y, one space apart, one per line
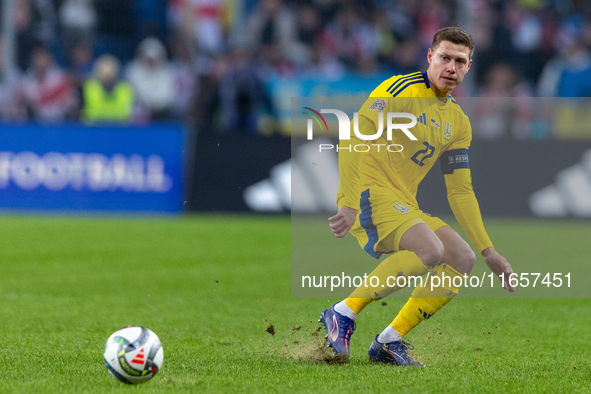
429 55
469 65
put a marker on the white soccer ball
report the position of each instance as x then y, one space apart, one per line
133 355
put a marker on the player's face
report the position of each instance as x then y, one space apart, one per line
448 64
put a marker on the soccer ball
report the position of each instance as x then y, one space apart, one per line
133 355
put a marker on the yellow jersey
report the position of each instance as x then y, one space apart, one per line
442 130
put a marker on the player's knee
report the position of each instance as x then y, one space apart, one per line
463 261
468 260
432 253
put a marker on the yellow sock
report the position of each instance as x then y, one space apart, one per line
403 263
424 302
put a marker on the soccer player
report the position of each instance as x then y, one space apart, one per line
377 200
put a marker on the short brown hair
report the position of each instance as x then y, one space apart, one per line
455 35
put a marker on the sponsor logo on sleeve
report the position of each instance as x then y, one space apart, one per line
457 159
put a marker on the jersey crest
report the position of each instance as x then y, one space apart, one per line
447 130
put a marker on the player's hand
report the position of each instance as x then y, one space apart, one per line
341 223
499 265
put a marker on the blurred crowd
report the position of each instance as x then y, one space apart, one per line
207 61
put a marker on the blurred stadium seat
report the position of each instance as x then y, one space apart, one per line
221 67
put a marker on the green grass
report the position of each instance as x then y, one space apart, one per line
206 284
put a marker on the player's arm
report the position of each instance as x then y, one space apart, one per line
349 163
460 194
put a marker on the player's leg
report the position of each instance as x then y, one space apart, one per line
417 258
379 229
388 346
457 253
339 319
440 288
418 250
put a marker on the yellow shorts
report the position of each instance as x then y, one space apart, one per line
384 218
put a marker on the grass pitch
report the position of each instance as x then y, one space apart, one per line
215 289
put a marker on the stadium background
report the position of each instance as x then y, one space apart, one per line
224 71
201 124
